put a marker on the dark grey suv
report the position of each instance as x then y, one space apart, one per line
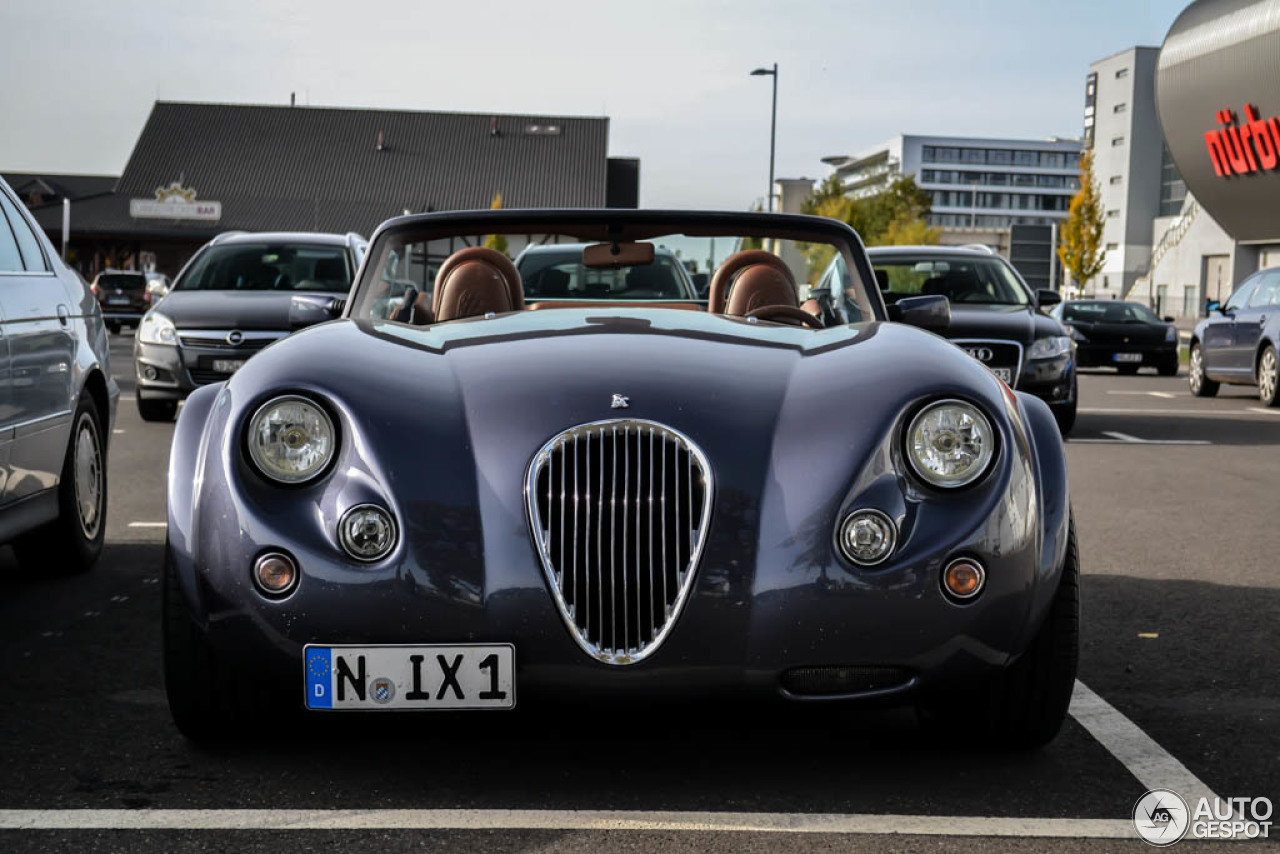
240 293
58 405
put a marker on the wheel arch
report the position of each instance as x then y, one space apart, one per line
95 383
1267 341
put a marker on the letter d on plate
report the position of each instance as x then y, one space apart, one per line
319 678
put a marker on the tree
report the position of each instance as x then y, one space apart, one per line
1080 248
909 232
496 241
897 215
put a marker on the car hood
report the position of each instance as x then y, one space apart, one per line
246 309
1123 333
1005 322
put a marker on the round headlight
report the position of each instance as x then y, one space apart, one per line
291 439
950 443
867 537
367 532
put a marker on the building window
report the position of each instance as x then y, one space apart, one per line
1119 108
1190 301
1122 73
1162 299
1112 247
1117 141
1113 214
1116 179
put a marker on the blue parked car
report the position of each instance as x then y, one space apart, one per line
1236 344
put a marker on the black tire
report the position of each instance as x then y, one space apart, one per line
208 701
1025 706
157 410
1269 377
72 543
1201 385
113 328
1127 370
1169 368
1065 413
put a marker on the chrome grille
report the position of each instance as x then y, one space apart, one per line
619 512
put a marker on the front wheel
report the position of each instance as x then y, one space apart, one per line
1268 377
1024 707
1065 413
1201 385
72 542
1169 367
157 410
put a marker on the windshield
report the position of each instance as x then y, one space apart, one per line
560 274
564 267
122 281
1108 312
269 267
961 279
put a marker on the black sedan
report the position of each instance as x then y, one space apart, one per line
1121 335
618 500
995 317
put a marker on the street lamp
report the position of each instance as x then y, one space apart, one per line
773 124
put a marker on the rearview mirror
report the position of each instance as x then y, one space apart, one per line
931 312
1046 298
617 255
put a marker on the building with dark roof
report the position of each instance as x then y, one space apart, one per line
201 169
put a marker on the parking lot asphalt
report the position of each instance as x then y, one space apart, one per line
1175 506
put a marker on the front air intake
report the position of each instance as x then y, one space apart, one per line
619 512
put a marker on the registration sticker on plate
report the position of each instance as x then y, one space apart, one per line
1127 357
1005 374
228 366
474 676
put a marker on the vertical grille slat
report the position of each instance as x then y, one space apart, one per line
620 575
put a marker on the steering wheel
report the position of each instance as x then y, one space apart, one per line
785 314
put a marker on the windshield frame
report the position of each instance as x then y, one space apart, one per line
892 257
1153 320
605 224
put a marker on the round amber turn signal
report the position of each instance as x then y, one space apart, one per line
963 578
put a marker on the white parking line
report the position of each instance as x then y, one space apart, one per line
1117 438
1154 767
1216 413
1263 411
148 524
495 819
1164 394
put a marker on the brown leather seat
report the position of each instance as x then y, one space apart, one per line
751 279
474 282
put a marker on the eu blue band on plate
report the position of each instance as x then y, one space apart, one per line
319 678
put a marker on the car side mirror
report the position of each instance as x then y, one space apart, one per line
931 312
1046 298
1212 306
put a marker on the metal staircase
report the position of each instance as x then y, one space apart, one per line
1172 237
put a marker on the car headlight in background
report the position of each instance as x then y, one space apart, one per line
155 328
950 443
1171 335
1048 348
1074 334
291 440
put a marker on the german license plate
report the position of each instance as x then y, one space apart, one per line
475 676
1005 374
1127 357
228 366
117 300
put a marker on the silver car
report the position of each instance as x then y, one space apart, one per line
58 405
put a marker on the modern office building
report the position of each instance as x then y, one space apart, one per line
975 183
1137 179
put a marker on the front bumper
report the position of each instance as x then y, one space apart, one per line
171 372
1094 355
1051 380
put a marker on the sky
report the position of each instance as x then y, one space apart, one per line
78 77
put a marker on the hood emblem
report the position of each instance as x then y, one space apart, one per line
234 337
982 354
620 402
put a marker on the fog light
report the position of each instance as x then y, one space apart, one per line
148 372
367 532
963 578
867 537
275 573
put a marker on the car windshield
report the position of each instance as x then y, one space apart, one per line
960 278
269 267
1108 312
555 273
122 281
566 267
